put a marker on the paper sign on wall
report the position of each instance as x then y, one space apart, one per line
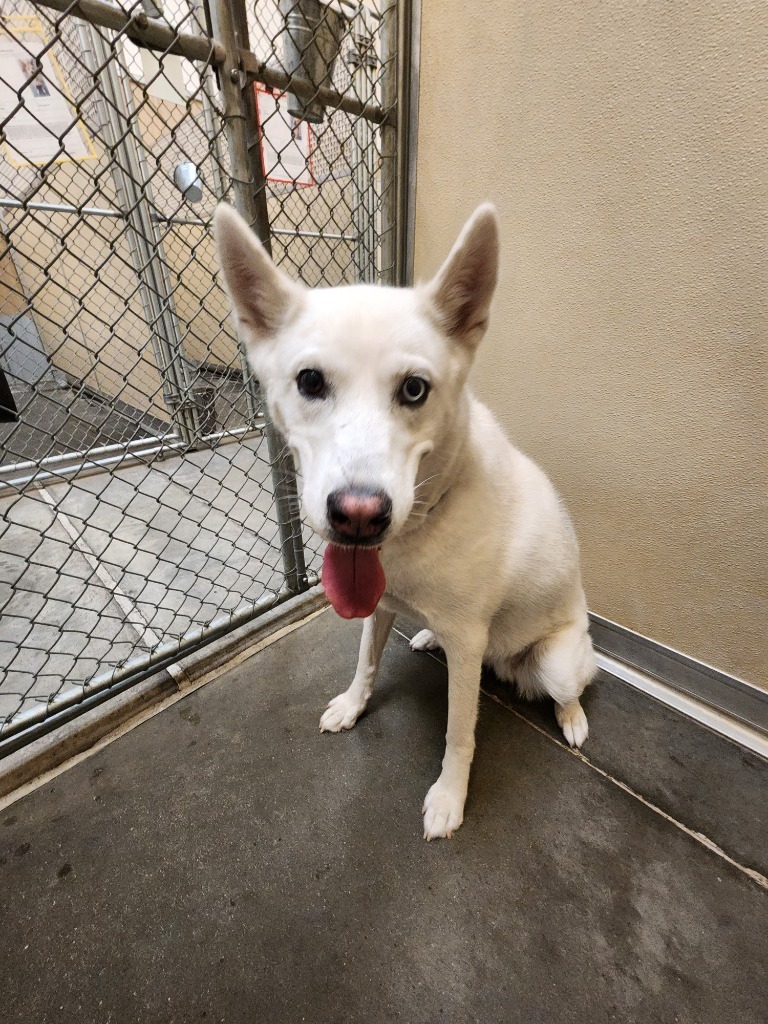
165 77
44 126
286 144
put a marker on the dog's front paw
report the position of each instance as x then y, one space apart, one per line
425 641
443 810
573 722
342 713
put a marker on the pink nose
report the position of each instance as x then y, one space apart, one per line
359 513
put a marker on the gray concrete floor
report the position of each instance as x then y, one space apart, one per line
227 862
56 420
100 569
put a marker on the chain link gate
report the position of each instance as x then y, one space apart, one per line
148 505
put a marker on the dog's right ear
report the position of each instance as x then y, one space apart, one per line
262 295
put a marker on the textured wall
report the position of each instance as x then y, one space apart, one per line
626 147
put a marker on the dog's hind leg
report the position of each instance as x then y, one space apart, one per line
561 665
344 710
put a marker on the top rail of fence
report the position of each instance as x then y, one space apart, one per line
155 34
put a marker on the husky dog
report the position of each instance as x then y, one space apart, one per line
427 508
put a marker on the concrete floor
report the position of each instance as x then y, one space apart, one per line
227 862
56 419
100 569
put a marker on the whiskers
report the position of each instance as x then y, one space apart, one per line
421 502
424 482
420 509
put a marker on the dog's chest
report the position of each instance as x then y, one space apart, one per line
403 579
416 585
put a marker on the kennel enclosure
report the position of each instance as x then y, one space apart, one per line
148 505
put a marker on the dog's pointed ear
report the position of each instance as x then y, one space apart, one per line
462 289
262 295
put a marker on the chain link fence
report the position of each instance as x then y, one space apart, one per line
147 503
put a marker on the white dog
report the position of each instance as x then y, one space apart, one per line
428 510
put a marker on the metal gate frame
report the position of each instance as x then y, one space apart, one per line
226 52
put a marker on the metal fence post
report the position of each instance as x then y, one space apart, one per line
134 196
362 60
409 50
397 142
250 384
230 27
388 267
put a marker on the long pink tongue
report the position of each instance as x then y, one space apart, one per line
353 580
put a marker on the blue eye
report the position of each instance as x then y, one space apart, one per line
413 391
311 384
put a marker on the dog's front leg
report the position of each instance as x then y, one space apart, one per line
444 803
344 710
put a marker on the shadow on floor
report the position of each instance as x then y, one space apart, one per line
227 862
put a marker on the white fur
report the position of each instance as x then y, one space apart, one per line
480 548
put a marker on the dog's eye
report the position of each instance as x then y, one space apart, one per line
413 391
311 383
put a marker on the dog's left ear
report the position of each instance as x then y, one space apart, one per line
262 295
462 289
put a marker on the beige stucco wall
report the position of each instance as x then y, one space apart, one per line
626 146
